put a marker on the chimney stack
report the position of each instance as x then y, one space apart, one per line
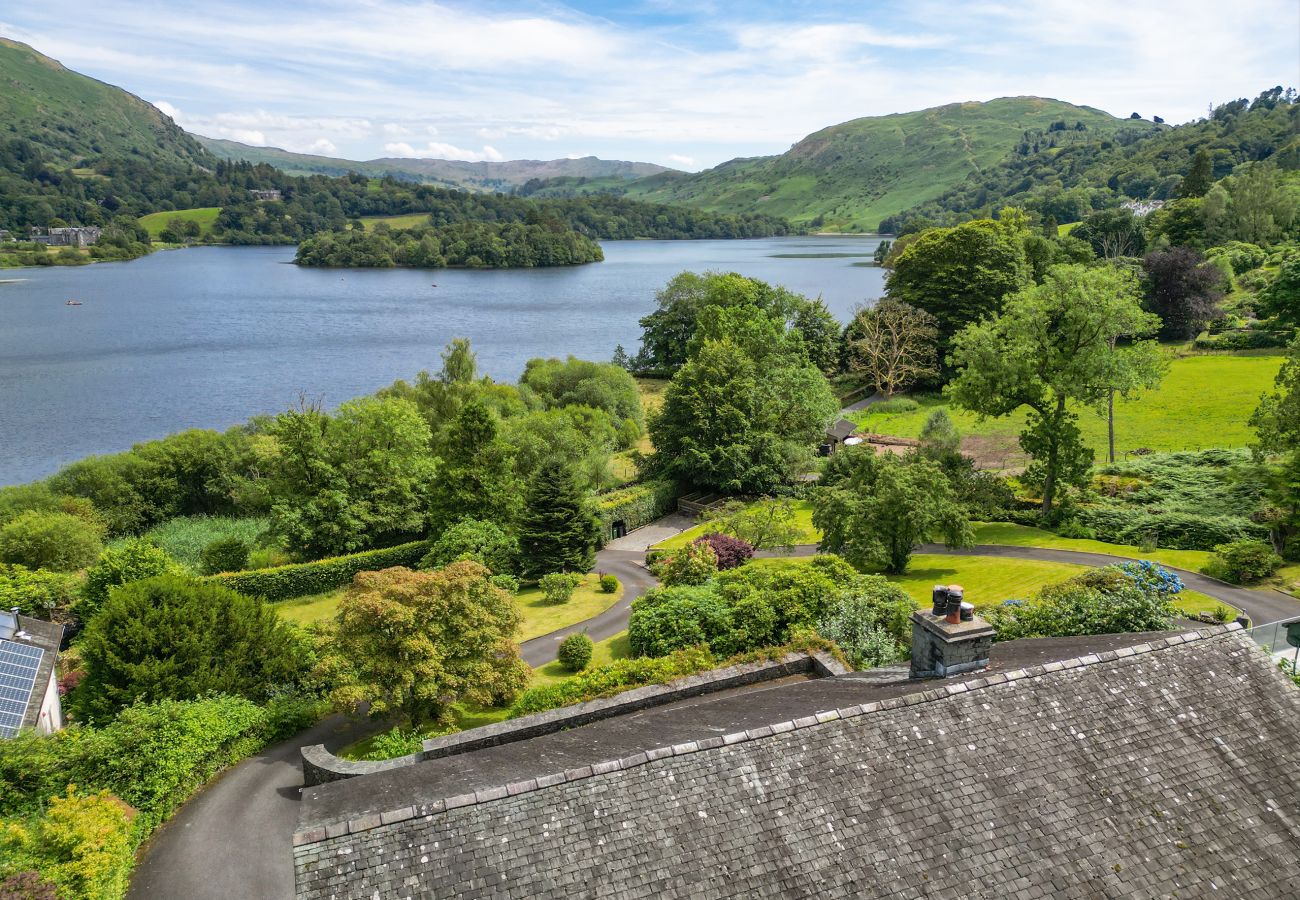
950 638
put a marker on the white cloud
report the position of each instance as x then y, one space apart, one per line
684 162
323 147
437 150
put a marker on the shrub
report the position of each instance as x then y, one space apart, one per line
1131 597
558 587
611 679
609 584
133 560
174 638
508 583
871 624
575 652
83 844
1243 562
483 542
1173 530
305 579
729 551
694 564
225 554
50 540
394 743
38 592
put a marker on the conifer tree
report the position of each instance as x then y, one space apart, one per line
559 531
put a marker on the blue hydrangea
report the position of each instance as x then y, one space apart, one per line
1152 577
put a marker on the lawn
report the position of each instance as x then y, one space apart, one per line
406 221
1204 401
539 617
206 216
1024 536
604 652
802 515
652 397
542 618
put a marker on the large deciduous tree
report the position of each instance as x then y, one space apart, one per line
1073 341
1113 233
894 345
558 532
876 510
477 478
1277 422
960 274
1183 290
416 643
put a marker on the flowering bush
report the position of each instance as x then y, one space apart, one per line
692 565
730 551
1128 597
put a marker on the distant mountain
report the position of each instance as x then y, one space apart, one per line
73 118
481 176
853 175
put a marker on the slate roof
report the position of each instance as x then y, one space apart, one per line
841 429
1157 770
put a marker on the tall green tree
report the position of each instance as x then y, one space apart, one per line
413 644
1277 423
1199 177
477 478
558 532
1281 299
821 335
959 275
1073 341
174 638
876 510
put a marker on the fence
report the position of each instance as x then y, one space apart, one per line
1280 639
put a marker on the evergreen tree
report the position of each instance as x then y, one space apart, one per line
559 531
1199 177
477 479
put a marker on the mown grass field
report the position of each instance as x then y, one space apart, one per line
539 617
1204 401
154 223
802 516
406 221
1023 536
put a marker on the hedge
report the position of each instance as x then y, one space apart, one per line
1250 339
635 506
304 579
1172 530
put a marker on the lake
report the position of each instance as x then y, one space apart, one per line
209 336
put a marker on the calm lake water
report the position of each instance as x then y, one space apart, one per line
206 337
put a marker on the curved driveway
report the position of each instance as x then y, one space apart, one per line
233 839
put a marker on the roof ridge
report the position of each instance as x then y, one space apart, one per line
374 820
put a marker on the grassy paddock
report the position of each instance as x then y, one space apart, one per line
406 221
1204 401
206 216
802 515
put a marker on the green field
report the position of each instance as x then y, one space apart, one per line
1024 536
802 516
539 617
1204 401
604 652
154 223
407 221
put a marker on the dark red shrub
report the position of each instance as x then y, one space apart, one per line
731 551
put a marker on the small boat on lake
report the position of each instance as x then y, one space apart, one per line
71 302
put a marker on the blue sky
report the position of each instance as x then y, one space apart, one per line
685 84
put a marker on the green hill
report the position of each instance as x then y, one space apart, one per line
74 118
851 176
476 176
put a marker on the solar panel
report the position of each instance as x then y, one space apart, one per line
18 665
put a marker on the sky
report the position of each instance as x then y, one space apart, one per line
682 83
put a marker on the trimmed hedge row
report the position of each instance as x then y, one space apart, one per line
304 579
634 506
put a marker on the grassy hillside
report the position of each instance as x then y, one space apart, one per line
204 216
851 176
489 176
73 117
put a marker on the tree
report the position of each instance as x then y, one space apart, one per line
352 481
484 542
765 524
728 424
1071 340
1183 290
939 437
1252 206
1112 233
821 335
961 274
558 531
1277 422
477 478
894 344
417 643
1199 177
876 510
1281 299
50 540
135 560
576 382
174 638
